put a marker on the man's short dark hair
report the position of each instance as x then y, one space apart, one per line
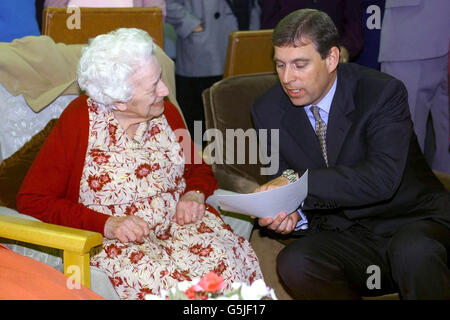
304 25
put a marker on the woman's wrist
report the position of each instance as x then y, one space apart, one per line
195 195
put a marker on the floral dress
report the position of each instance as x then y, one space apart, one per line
143 176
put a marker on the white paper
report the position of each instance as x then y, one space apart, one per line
287 198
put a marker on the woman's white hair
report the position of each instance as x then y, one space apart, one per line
109 60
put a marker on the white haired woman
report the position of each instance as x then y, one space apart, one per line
113 164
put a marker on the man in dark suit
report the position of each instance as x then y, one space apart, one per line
376 220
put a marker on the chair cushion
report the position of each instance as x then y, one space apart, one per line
14 168
227 106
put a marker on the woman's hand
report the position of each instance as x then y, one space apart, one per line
126 229
190 208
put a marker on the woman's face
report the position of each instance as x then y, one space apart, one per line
148 97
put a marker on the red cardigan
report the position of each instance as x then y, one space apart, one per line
50 190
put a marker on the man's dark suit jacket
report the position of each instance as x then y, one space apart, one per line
377 176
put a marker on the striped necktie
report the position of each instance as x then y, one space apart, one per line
321 131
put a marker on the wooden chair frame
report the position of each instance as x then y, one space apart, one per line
75 243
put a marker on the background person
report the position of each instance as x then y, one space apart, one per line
203 28
414 46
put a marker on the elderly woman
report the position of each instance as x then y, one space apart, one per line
113 164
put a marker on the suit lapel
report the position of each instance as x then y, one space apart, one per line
338 121
297 125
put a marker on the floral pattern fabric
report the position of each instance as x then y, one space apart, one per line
143 176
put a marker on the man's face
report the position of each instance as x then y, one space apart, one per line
304 75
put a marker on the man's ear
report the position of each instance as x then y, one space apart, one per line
332 59
121 106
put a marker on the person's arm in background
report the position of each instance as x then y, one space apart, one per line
255 15
352 36
183 21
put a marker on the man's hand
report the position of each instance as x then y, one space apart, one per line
283 223
126 229
272 184
190 208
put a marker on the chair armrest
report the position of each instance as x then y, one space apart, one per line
75 243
